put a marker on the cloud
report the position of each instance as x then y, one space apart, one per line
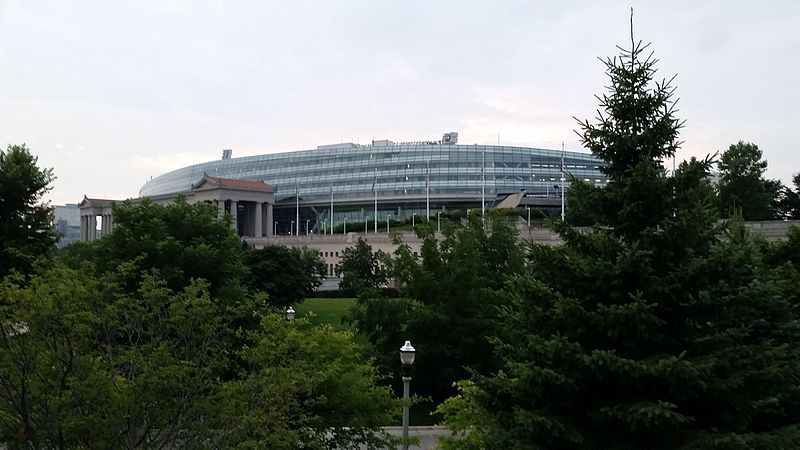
159 164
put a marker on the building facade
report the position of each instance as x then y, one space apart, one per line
332 184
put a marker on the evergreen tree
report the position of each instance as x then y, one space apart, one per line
657 330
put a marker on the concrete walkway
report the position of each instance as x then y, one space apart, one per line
428 436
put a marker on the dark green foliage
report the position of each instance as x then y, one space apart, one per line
286 274
658 330
182 241
361 268
306 387
741 183
86 363
787 201
450 297
636 131
26 223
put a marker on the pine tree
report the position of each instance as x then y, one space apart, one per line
656 330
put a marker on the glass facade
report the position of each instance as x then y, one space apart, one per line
454 174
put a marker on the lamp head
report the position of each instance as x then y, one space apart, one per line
407 353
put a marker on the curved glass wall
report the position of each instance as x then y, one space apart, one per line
454 173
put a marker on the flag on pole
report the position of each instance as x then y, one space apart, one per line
374 182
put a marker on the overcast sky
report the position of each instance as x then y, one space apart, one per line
109 93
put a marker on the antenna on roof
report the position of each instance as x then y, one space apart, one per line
226 153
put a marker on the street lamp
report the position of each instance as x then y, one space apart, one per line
438 222
291 227
345 224
275 229
387 223
413 217
307 220
366 219
529 216
325 226
407 353
290 313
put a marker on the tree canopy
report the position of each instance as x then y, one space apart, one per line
659 329
286 274
361 268
26 221
448 299
86 363
742 186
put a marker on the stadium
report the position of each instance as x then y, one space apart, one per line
398 180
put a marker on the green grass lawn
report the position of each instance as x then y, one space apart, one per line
326 310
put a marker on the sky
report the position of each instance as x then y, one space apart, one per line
109 94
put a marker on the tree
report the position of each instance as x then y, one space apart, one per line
86 363
448 299
286 274
741 183
182 241
306 387
361 268
26 222
788 201
657 330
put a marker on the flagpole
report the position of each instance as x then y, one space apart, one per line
483 186
375 191
297 204
428 190
331 209
562 181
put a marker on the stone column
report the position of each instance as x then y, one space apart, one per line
269 220
83 227
259 216
234 214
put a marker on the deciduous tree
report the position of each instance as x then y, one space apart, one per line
361 268
742 186
286 274
26 221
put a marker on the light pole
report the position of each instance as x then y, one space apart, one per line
325 226
290 313
529 216
345 224
307 220
291 227
413 221
438 222
275 229
387 223
366 219
407 353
